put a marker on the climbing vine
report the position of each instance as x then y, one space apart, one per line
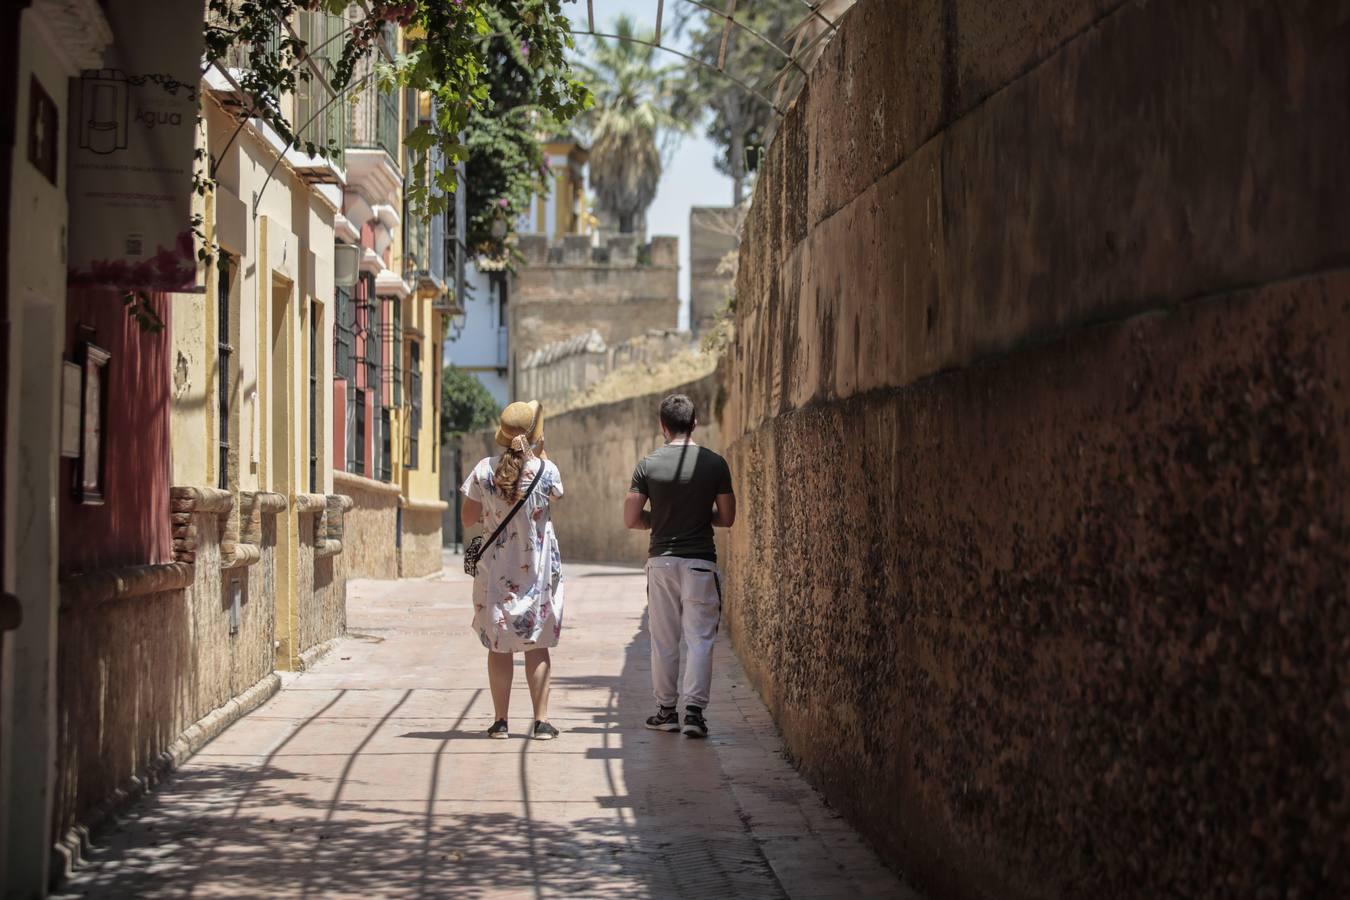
445 54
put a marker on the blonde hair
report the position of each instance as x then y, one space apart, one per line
510 468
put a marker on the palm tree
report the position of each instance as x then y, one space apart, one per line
629 120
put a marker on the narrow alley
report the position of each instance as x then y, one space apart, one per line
370 776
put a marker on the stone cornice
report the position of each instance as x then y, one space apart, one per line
310 503
375 175
389 284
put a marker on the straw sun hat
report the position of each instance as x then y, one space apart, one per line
518 419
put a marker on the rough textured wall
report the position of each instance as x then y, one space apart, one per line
595 449
323 594
712 235
1039 421
421 551
555 373
370 527
134 673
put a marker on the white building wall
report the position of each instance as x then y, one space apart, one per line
481 348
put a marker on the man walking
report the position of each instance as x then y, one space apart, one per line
690 491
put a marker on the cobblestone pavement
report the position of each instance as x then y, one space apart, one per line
370 776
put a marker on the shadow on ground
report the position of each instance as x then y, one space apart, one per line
253 831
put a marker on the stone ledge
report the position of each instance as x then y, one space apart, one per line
311 656
310 503
362 483
265 501
190 498
244 555
118 584
423 505
72 847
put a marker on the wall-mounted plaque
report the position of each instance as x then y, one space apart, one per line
71 382
93 361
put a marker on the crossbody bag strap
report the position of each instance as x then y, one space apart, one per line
519 503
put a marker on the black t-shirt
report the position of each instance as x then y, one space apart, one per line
682 480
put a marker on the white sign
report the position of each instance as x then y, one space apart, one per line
132 130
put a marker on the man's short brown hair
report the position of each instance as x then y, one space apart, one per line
678 414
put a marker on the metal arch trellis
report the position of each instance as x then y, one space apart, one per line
792 58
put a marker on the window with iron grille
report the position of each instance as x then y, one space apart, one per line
356 447
393 349
363 367
368 326
386 448
224 354
414 402
344 367
314 311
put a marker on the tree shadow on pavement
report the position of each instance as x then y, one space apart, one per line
666 825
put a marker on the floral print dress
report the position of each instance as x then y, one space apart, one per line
518 592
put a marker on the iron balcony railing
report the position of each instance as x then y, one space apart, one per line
374 113
375 121
321 116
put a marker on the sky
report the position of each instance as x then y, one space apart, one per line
689 178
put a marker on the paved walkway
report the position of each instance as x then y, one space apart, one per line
369 776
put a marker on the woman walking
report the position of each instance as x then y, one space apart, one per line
517 590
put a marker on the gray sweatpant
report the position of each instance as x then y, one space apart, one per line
684 597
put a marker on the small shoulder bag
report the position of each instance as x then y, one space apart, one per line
474 551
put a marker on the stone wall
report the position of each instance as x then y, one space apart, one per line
370 526
420 554
152 660
595 449
1038 419
555 373
621 290
712 235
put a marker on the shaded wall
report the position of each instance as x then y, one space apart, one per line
148 652
1040 352
595 449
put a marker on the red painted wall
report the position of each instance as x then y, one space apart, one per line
132 525
339 424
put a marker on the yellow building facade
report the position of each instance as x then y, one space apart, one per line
390 329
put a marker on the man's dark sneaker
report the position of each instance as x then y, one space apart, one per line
498 729
543 731
666 719
694 726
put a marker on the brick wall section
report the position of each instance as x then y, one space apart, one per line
1038 417
595 449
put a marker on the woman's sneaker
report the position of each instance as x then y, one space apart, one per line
543 731
666 719
694 725
498 730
